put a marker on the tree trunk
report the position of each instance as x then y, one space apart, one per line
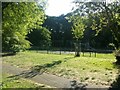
118 60
77 49
77 54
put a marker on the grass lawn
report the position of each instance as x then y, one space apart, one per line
88 70
19 82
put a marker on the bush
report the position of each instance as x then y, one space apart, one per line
117 55
40 37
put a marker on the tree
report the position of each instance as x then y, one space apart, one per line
109 18
40 38
17 20
107 14
78 31
60 29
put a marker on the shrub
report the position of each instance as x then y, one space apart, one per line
117 55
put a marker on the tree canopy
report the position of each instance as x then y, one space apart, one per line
18 19
40 38
78 27
104 16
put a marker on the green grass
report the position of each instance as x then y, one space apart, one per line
19 82
29 59
90 70
101 55
87 70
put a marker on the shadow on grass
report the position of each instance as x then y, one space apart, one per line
39 69
116 83
8 54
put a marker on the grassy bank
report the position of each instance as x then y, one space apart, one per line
8 82
98 70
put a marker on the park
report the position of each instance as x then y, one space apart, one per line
76 50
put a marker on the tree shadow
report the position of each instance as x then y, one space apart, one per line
39 69
116 83
8 54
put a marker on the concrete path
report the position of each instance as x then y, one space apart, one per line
44 78
47 79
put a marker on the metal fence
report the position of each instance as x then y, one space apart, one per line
69 48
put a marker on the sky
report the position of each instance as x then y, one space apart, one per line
58 7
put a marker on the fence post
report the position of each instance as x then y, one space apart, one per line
83 52
47 50
60 51
95 53
60 42
90 53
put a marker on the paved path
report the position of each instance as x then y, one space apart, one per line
47 79
44 78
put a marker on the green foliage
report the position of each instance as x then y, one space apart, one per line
105 16
78 27
117 52
17 21
61 33
40 37
60 30
109 20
